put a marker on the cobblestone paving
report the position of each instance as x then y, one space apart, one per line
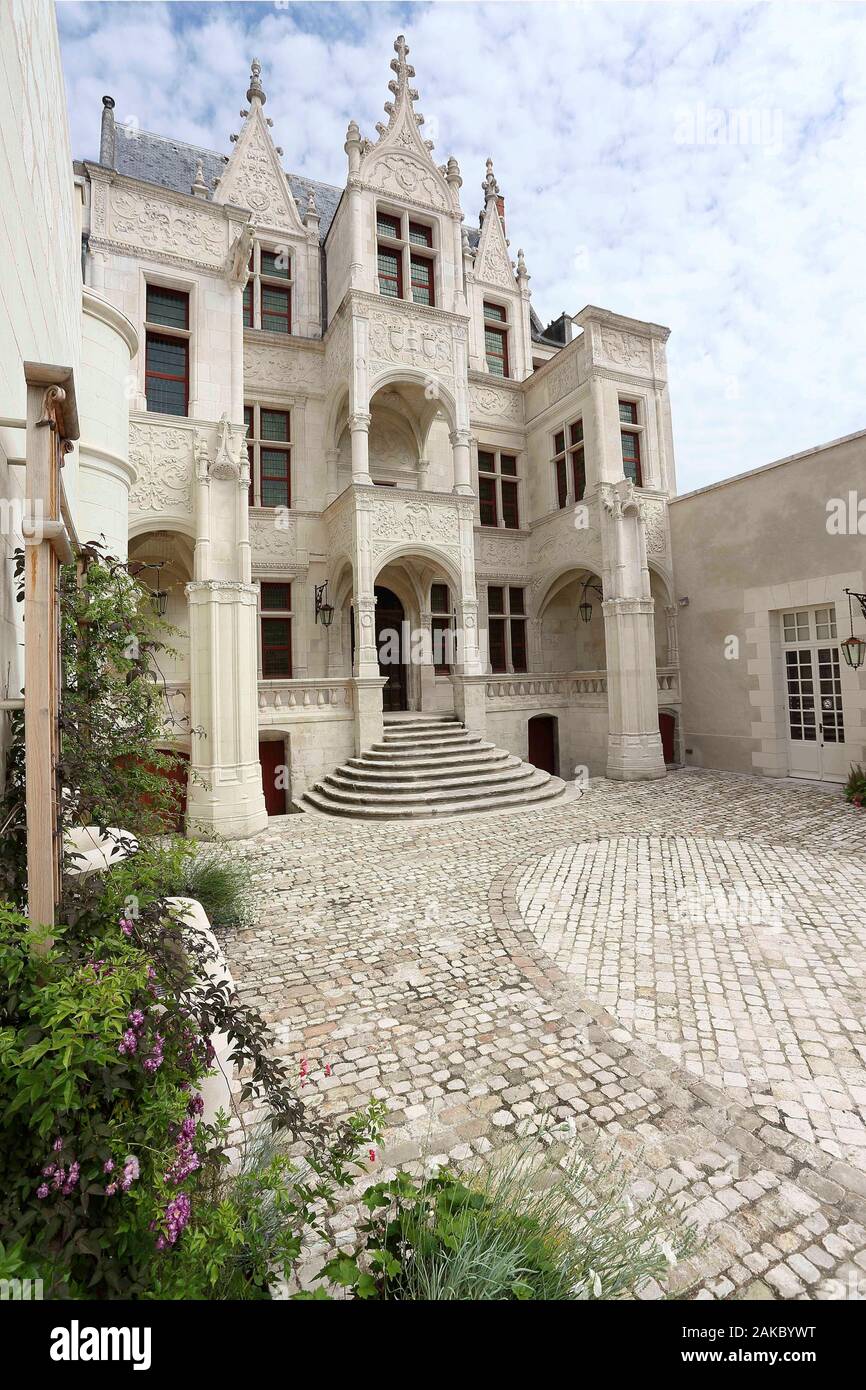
474 974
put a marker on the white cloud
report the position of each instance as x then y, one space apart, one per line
752 253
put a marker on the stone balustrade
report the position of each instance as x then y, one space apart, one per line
567 686
328 696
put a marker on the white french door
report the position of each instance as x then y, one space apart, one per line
816 723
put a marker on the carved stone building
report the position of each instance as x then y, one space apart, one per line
348 387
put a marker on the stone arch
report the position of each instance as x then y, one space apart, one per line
564 641
417 550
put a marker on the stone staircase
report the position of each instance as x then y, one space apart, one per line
430 765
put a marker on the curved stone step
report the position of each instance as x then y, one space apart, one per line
551 789
483 784
443 733
356 768
488 756
426 750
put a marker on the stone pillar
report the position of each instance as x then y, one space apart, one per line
427 671
634 746
366 656
359 426
225 794
460 440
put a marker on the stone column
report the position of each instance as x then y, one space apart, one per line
225 791
460 440
359 426
634 746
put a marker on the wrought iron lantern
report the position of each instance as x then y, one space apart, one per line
584 608
854 648
324 610
158 595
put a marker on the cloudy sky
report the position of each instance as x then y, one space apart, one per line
701 166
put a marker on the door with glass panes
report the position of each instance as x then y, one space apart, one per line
815 718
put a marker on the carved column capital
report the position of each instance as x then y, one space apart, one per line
360 420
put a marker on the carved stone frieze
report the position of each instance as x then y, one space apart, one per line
161 225
163 458
492 403
267 367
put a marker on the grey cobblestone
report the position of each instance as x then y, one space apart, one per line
729 1065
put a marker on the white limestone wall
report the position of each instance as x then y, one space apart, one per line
109 342
40 270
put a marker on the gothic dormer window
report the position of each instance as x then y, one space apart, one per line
496 338
405 258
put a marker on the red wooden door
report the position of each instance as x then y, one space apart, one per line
272 756
667 729
542 742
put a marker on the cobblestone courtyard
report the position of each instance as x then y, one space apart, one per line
679 967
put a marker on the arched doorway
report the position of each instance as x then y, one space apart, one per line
543 740
390 617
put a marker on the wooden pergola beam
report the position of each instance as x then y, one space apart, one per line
52 425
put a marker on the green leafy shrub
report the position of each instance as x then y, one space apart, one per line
210 872
111 1184
855 787
538 1223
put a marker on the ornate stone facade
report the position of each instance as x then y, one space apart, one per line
501 479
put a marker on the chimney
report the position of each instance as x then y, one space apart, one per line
107 154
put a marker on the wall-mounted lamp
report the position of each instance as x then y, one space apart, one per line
159 596
683 602
584 608
854 648
324 610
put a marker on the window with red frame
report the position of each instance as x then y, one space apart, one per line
498 490
422 280
269 444
506 628
442 631
495 339
631 457
267 299
389 267
276 630
166 353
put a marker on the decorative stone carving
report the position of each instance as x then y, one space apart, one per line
491 402
493 263
157 224
163 459
271 541
403 176
562 380
414 521
500 552
653 514
276 368
625 350
397 339
226 465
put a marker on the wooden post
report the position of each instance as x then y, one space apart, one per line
52 423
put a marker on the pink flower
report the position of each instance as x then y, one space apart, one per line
372 1154
108 1166
328 1069
42 1191
126 926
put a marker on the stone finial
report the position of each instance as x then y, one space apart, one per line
107 139
199 188
452 172
256 91
522 272
489 186
311 212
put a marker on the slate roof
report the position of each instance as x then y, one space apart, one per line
139 154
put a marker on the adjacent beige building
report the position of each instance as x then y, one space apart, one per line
762 564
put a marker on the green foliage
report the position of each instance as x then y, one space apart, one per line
113 712
210 872
103 1043
855 787
112 709
539 1223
